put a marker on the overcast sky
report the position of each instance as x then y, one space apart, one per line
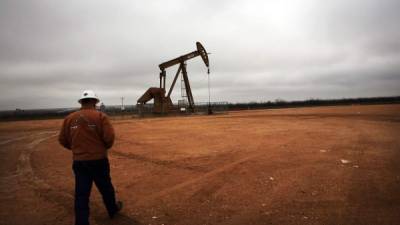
50 51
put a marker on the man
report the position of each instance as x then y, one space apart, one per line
88 133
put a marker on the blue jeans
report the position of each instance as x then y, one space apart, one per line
85 173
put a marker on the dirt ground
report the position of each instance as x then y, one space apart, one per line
322 165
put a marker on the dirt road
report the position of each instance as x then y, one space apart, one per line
322 165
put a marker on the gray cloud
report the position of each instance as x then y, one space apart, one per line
261 50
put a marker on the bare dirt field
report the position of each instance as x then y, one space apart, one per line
322 165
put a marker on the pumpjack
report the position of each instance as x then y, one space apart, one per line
162 102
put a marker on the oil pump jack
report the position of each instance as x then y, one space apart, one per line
162 102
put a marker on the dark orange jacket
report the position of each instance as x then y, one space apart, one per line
88 133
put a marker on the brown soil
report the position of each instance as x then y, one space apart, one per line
285 166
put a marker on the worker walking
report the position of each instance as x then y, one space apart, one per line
89 134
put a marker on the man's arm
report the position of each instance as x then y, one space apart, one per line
63 137
108 132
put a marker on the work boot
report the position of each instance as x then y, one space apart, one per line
119 206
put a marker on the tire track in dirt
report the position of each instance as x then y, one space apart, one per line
17 186
27 175
366 186
164 163
202 178
10 140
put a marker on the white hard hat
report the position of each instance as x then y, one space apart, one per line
88 94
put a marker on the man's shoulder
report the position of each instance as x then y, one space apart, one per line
96 113
75 115
71 115
93 114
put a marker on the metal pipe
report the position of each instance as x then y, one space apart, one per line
173 83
